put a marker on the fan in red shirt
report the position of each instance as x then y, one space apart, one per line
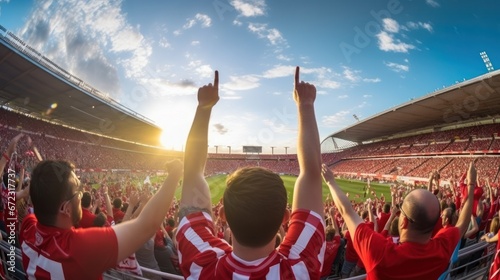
254 206
420 211
88 216
51 246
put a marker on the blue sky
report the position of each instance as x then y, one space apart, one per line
363 56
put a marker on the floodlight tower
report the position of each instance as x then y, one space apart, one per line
486 61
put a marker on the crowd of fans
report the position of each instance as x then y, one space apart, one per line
467 199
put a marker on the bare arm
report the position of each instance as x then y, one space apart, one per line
465 213
344 206
8 153
195 192
307 193
473 230
107 200
134 233
394 211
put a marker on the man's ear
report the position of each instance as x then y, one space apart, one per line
286 216
65 208
404 222
222 213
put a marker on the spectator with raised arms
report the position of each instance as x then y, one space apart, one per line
53 249
420 211
254 205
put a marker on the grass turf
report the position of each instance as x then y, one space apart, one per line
217 185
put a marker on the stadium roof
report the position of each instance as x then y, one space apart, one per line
474 99
31 83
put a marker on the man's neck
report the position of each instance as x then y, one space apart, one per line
250 253
407 236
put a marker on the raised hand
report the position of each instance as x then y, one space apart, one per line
13 144
303 93
208 95
174 167
327 173
472 174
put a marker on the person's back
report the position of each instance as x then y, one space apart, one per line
51 246
417 256
254 206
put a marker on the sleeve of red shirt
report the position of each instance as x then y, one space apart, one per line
363 240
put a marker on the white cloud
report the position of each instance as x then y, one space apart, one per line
387 43
272 34
204 20
397 67
327 84
432 3
195 43
367 96
335 119
343 96
374 80
238 83
164 43
237 22
83 42
283 57
203 70
279 71
417 25
250 8
351 75
390 25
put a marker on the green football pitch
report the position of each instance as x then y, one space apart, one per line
217 185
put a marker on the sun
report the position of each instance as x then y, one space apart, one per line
173 140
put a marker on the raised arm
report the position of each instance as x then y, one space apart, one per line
307 193
465 213
8 153
195 192
344 206
134 233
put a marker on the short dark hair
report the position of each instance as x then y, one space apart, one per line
100 220
387 208
117 203
254 204
49 188
86 200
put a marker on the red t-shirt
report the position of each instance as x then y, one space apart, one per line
118 215
204 256
54 253
384 217
495 265
332 247
87 219
385 260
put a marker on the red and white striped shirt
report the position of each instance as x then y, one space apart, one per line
202 255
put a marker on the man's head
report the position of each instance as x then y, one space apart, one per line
447 216
419 212
86 200
387 208
55 190
254 204
117 203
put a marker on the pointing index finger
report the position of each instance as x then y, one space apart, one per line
216 79
297 70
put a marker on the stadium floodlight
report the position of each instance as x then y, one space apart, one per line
229 147
286 150
272 150
356 117
487 62
216 149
